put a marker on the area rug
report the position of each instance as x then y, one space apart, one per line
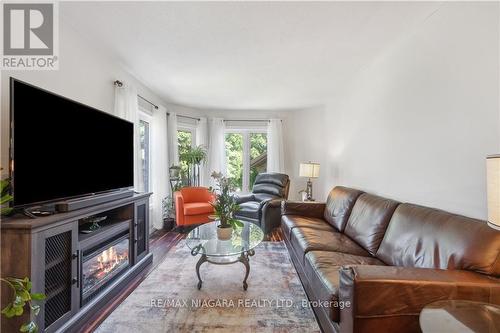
168 300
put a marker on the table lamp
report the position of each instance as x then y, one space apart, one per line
493 184
309 170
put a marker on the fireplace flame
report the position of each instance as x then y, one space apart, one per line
109 259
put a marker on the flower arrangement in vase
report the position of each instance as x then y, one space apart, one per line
225 206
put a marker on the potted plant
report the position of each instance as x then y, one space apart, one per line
5 197
225 206
168 213
174 172
194 157
22 297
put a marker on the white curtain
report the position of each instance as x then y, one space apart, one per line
159 165
216 149
275 151
173 143
202 139
126 107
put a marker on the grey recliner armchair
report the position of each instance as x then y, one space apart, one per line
263 205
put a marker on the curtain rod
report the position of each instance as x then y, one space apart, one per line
119 83
180 115
145 100
250 120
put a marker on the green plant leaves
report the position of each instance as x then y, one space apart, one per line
5 199
225 204
18 301
194 155
38 296
30 327
9 311
5 196
21 289
236 223
35 309
6 211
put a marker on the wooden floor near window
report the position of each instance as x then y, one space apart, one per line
160 243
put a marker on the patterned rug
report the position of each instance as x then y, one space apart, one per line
168 300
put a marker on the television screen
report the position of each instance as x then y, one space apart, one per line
63 149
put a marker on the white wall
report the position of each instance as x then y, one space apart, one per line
305 137
85 74
418 121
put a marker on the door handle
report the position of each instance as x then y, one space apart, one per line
76 279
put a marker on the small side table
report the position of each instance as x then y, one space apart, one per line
460 316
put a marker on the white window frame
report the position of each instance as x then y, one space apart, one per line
188 128
145 116
245 132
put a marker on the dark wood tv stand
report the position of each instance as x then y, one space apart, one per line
79 272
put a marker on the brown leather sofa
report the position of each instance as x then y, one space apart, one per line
370 264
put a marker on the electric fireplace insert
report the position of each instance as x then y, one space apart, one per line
102 264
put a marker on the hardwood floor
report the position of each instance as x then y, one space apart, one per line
160 243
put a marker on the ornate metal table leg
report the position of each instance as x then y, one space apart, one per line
245 260
203 259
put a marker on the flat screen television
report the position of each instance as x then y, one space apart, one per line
63 149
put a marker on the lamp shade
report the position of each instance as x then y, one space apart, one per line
309 170
493 184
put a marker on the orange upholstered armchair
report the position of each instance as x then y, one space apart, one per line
192 205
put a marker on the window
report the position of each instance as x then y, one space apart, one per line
234 156
186 137
246 154
258 155
145 149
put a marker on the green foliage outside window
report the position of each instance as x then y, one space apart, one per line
185 139
234 157
258 155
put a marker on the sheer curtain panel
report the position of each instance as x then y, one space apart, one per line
127 107
275 150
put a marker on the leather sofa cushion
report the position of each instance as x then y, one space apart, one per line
197 208
368 221
304 239
292 221
339 205
322 271
429 238
249 209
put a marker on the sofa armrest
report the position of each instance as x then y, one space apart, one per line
392 297
309 209
241 198
271 215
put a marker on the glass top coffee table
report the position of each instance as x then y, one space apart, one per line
203 240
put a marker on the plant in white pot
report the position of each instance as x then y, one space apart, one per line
225 206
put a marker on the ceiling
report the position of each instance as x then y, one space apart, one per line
246 55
